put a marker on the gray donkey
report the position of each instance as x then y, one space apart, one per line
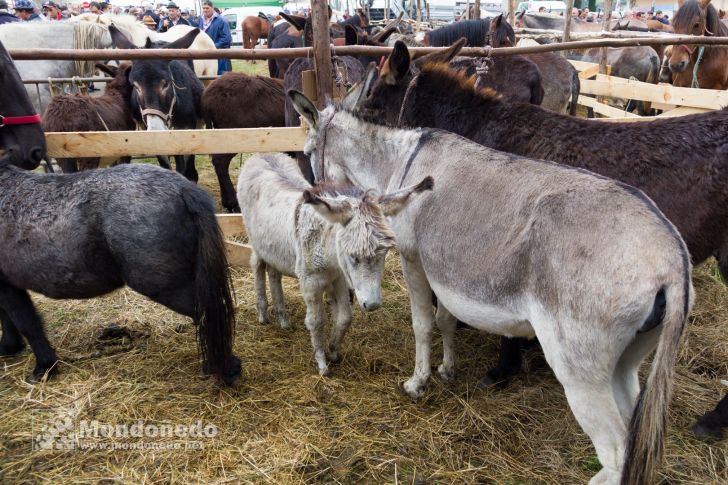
528 248
331 237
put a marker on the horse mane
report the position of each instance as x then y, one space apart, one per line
88 36
690 9
503 35
475 31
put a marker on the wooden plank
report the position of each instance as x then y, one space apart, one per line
582 66
589 72
629 89
238 254
682 111
230 224
604 109
151 143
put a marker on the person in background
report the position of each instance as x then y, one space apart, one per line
173 18
94 7
25 11
51 11
105 7
219 31
148 20
5 16
148 12
541 9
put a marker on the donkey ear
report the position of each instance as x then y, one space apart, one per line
397 65
118 39
107 69
445 55
334 210
350 35
497 21
393 203
185 41
295 20
361 91
304 107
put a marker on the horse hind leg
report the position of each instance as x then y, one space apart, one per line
19 310
164 162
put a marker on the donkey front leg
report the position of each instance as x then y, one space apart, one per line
18 307
261 301
315 314
276 294
342 307
420 296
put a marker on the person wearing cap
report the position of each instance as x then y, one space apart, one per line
148 12
25 11
105 7
173 18
5 16
51 11
219 31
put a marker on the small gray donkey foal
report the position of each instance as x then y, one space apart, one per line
331 237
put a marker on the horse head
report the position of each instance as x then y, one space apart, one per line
22 142
155 90
500 33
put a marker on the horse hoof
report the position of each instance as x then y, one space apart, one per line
11 350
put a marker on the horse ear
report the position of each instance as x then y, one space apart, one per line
387 31
443 56
361 91
397 65
334 210
107 68
350 35
185 41
118 39
304 107
393 203
497 21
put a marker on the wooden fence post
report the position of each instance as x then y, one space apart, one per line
322 51
567 20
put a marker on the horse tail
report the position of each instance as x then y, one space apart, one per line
214 310
645 441
575 89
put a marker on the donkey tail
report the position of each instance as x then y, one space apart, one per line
575 89
214 308
645 441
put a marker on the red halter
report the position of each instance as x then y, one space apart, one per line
19 120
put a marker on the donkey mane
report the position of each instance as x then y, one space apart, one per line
456 80
689 10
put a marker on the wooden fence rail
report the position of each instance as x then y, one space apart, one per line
352 50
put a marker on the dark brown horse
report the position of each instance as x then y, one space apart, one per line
681 163
236 100
699 66
78 112
254 28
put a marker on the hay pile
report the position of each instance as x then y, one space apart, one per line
285 424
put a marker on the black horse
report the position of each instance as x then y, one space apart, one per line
83 235
166 94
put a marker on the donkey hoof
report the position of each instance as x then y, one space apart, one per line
285 324
41 374
231 378
412 390
325 371
708 428
8 350
447 374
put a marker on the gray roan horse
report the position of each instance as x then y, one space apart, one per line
83 235
512 246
